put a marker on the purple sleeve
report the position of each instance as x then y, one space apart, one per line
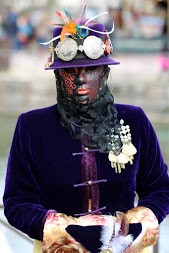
22 193
152 177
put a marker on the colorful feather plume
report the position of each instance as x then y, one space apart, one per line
69 27
63 16
77 26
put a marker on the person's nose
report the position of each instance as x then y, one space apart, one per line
81 76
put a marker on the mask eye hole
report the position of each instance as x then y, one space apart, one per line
70 70
91 68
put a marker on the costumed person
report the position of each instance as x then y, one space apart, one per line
75 167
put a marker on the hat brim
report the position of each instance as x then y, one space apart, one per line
75 63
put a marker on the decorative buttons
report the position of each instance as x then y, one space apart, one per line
89 182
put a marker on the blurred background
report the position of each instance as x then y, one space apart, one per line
141 44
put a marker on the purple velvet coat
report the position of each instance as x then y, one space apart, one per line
42 172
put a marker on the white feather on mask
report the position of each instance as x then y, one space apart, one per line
114 234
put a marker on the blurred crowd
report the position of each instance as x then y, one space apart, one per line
148 20
22 30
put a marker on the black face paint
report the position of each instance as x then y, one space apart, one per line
82 85
91 123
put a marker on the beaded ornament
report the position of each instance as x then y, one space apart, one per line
128 150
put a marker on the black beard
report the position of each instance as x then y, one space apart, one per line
92 123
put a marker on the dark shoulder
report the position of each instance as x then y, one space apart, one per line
131 113
125 108
40 116
40 111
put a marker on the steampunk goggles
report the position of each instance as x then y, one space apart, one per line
93 47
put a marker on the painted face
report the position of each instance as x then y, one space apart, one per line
82 85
